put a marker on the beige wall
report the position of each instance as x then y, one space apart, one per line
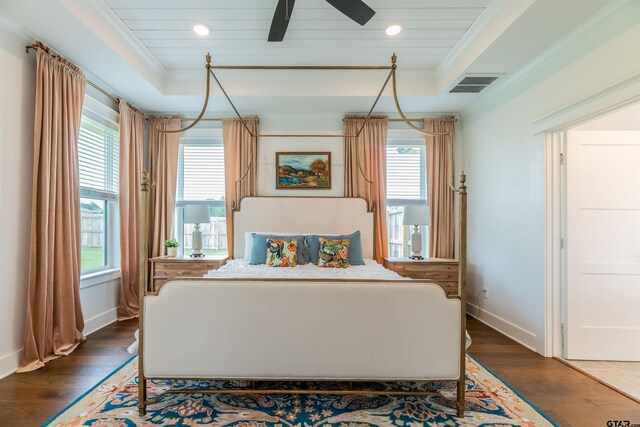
17 75
299 123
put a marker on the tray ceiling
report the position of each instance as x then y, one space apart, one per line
146 51
318 33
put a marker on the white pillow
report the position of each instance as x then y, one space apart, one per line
248 243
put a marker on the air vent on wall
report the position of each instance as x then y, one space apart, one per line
473 84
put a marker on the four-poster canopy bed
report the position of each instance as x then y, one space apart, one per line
305 329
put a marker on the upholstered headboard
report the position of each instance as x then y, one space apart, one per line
303 215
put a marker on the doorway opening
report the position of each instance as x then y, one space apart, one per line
598 200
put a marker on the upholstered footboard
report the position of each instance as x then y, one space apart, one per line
293 329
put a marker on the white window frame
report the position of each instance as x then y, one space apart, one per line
407 230
178 222
99 112
423 172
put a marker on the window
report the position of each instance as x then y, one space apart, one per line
406 185
93 218
98 160
201 181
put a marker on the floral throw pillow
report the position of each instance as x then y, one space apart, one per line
334 253
282 252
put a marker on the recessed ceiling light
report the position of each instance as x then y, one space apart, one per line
393 29
201 29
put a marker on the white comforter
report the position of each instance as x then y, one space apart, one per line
240 268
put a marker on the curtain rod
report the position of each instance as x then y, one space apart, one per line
89 82
104 92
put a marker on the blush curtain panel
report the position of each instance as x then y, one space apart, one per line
54 321
240 151
441 196
131 161
163 173
370 149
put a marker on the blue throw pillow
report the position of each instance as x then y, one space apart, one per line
355 247
259 248
303 252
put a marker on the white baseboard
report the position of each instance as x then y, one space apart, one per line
516 333
100 321
9 363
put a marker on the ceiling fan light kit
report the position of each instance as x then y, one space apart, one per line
356 10
201 29
393 29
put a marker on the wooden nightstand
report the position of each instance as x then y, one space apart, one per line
164 267
444 272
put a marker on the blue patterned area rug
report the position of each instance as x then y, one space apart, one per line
114 403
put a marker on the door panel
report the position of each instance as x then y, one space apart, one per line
603 244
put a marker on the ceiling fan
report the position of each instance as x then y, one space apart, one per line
357 10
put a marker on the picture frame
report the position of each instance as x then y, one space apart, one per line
303 170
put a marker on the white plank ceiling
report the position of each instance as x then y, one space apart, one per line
318 33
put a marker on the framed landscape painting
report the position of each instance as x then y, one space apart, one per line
303 170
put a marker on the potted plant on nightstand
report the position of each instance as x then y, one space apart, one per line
172 247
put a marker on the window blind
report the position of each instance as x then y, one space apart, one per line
98 156
201 171
405 172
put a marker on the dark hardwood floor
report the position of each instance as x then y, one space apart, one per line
564 394
567 396
30 399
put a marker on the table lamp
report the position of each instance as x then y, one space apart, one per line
196 214
416 215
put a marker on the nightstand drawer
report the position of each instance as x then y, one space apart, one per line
164 268
450 288
443 272
177 269
433 274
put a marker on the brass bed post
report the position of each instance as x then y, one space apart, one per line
142 290
146 184
462 283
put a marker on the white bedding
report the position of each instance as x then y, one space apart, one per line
240 268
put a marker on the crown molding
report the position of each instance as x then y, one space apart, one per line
614 97
105 11
480 25
15 32
496 18
505 85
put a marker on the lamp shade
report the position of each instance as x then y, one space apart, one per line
416 215
196 214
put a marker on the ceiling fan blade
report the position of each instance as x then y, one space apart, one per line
280 22
354 9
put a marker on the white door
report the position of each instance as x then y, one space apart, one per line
603 244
